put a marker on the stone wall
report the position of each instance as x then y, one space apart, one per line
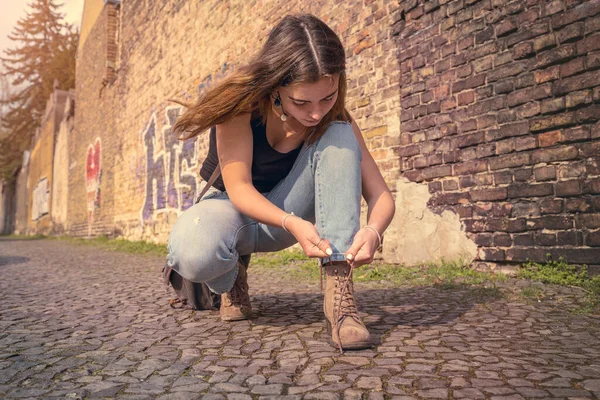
22 197
482 115
60 181
499 110
139 55
95 140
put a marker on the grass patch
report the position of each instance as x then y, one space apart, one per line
444 274
559 272
532 293
126 246
23 237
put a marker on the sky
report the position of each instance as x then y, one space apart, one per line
14 10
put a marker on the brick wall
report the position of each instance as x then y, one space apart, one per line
139 54
499 117
60 175
492 105
94 143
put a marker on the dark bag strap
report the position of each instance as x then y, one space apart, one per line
210 182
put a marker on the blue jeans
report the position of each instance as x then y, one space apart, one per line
323 186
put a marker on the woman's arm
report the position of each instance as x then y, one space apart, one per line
381 206
234 147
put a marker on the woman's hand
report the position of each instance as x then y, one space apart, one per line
308 237
363 248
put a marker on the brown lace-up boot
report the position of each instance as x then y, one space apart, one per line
235 304
343 323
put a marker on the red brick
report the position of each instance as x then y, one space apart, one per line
466 98
595 131
544 42
545 173
527 94
552 105
510 130
593 239
554 56
494 194
437 171
588 114
588 221
552 7
593 60
523 50
582 11
509 161
505 146
548 139
578 98
568 188
571 84
592 25
528 110
572 67
523 239
506 70
527 33
548 74
505 27
553 121
589 44
526 143
469 83
530 190
562 153
470 167
570 32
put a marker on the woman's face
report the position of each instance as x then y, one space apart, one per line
309 102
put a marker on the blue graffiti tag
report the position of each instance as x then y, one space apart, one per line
172 173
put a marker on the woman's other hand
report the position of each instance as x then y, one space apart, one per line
308 237
363 248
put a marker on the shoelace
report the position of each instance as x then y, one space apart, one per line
343 311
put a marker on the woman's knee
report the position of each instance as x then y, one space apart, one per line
201 246
339 138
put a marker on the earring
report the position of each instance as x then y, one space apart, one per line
277 103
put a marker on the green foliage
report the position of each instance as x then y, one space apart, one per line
43 59
559 272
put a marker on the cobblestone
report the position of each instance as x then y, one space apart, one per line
81 322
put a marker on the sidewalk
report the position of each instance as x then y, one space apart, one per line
80 322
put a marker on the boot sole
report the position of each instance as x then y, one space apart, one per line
229 319
353 346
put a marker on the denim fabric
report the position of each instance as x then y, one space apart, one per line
324 187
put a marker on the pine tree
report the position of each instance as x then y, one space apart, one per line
45 51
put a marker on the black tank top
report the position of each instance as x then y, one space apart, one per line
268 165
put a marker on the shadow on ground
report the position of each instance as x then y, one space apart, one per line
381 309
9 260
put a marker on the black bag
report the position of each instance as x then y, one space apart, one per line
196 296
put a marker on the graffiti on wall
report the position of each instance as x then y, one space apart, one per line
41 196
93 178
171 165
171 171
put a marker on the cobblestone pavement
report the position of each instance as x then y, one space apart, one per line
81 322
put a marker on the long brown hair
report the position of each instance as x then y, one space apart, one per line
299 49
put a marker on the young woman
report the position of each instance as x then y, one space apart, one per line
294 166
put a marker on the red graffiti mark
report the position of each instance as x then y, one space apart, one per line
93 175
